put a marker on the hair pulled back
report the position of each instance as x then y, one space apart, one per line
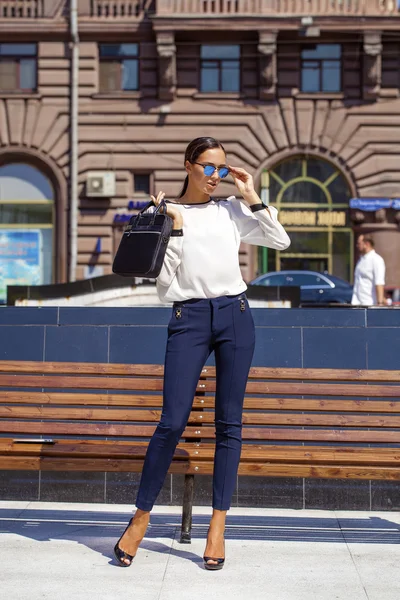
194 150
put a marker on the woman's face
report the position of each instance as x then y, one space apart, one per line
197 178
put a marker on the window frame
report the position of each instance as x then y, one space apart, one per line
16 59
138 194
120 59
220 69
320 62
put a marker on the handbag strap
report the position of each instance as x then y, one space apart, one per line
160 209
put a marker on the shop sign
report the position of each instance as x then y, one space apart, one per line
372 204
20 258
313 218
122 218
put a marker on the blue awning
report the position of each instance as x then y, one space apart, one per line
372 204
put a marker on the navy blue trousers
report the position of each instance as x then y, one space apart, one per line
197 328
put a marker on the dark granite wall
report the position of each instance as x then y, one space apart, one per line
330 338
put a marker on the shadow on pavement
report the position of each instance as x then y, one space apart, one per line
99 531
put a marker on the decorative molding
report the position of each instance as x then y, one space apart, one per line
372 64
166 49
268 64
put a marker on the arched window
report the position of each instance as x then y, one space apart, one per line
26 227
312 196
308 180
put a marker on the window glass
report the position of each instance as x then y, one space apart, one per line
18 49
130 75
304 192
310 242
289 169
322 51
310 77
113 50
339 190
26 231
26 213
331 77
230 76
110 76
220 68
210 77
319 169
305 279
220 51
269 280
142 182
27 74
8 75
321 68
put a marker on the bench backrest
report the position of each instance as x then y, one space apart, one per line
104 401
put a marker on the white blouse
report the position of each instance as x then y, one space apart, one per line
204 261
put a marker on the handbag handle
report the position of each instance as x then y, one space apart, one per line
161 208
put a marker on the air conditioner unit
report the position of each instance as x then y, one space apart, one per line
100 184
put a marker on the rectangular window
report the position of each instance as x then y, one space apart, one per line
18 67
141 182
321 68
220 68
119 67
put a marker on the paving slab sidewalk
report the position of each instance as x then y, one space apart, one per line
64 551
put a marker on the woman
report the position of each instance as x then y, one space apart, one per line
201 276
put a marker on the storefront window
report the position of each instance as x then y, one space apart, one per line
312 196
26 227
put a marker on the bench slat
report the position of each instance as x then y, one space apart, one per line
158 370
133 465
44 463
151 400
101 429
137 415
184 451
123 383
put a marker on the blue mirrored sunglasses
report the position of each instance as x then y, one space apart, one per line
210 170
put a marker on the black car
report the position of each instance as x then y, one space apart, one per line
314 287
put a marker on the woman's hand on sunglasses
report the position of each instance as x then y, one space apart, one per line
173 212
243 181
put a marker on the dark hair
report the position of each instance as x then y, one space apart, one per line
194 150
369 239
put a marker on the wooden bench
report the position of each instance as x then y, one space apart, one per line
297 422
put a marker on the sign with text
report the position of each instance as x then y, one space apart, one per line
20 258
313 218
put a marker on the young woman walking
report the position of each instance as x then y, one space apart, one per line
201 276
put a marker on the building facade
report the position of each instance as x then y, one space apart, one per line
98 104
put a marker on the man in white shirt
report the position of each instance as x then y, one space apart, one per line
369 275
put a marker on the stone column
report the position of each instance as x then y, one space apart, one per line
372 76
166 49
268 68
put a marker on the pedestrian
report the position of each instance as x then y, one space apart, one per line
201 276
369 275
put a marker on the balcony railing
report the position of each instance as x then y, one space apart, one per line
21 9
120 9
277 7
139 9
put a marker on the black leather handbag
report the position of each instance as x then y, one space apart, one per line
143 245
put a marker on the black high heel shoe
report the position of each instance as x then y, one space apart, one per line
119 554
214 567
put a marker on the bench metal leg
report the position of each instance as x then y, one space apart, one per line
187 510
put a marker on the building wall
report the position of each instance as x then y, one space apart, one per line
137 132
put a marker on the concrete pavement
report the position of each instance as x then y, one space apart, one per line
64 551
